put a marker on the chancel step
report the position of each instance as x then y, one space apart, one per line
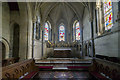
65 64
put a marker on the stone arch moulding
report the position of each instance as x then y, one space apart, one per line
7 47
50 21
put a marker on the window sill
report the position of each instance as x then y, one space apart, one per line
105 33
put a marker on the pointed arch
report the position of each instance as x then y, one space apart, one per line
76 30
108 14
61 32
47 27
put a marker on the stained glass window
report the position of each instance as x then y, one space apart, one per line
77 31
108 15
61 33
46 31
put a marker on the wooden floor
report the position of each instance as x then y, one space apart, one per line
63 75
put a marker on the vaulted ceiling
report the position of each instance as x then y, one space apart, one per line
62 11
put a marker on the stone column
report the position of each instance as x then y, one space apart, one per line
33 35
99 17
42 42
82 43
92 29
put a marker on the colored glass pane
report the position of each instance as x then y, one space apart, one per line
46 31
61 33
77 31
108 15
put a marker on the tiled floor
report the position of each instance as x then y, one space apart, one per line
63 75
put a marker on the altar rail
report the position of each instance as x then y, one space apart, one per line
105 70
19 70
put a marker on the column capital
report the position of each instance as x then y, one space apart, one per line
98 5
34 19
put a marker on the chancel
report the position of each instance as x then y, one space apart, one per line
60 40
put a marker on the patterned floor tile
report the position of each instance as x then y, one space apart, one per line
63 75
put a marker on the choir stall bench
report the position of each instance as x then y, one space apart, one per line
22 70
104 70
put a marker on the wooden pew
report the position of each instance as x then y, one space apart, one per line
9 61
22 70
105 70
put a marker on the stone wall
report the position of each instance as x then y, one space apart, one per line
0 40
20 17
5 28
107 43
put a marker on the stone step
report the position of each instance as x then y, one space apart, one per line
65 64
57 61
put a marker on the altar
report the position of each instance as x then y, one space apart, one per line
62 53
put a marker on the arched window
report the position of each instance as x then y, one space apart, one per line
62 33
108 15
46 31
76 30
104 15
